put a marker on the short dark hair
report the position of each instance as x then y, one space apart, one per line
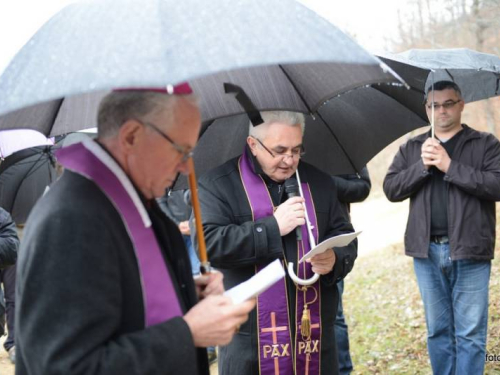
119 106
444 85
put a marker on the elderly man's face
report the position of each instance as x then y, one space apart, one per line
278 152
155 162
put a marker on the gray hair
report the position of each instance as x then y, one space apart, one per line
120 106
285 117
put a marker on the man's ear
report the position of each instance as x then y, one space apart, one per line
252 143
462 105
131 132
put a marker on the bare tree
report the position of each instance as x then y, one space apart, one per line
480 24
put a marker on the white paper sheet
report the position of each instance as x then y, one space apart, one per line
258 283
337 241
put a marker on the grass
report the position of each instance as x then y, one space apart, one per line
385 314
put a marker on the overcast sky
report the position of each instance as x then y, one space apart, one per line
371 22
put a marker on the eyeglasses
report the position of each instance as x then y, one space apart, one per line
296 153
184 151
446 105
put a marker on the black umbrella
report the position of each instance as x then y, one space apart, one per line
57 117
297 87
24 176
476 73
341 138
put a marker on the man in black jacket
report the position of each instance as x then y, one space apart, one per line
249 220
104 281
453 182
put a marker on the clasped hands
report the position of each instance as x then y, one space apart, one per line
434 154
291 214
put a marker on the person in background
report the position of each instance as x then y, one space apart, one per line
176 205
9 244
351 188
452 181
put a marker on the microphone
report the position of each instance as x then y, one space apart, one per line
292 190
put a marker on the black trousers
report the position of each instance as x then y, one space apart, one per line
8 279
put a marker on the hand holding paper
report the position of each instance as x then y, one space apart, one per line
337 241
258 283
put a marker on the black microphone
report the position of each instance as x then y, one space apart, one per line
292 190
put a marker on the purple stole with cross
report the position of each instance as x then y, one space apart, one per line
277 355
91 161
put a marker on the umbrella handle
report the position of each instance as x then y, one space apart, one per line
298 280
202 247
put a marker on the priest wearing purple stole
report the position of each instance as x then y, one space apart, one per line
250 220
104 279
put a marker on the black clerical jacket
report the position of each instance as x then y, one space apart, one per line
236 244
79 298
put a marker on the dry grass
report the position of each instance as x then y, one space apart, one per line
386 319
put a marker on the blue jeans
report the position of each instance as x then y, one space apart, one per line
455 296
342 336
193 257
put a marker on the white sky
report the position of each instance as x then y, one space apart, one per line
371 22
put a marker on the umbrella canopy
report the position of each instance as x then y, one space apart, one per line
25 173
477 74
297 87
104 44
57 117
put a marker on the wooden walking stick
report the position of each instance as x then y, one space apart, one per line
202 247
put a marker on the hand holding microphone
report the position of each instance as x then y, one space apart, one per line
290 215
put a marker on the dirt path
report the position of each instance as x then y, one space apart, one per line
383 223
6 368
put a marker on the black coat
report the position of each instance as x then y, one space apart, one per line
79 307
9 241
353 188
473 187
235 244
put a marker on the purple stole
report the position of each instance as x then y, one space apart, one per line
276 353
91 161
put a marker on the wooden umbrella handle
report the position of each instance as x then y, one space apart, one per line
202 247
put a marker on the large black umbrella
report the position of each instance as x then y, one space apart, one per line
341 137
298 87
24 176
